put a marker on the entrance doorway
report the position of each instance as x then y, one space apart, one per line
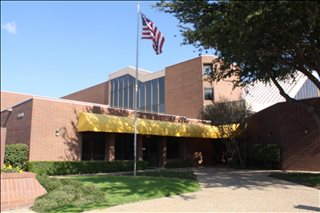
93 146
151 150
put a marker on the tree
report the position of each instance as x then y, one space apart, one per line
254 40
225 115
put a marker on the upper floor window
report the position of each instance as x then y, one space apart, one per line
208 94
207 69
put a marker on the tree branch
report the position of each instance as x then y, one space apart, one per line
281 91
310 76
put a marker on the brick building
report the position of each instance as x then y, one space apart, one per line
294 127
180 89
96 123
57 129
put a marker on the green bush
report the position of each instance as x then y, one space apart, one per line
266 156
16 155
81 167
179 164
63 192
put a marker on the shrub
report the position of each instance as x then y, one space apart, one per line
16 155
9 169
81 167
266 156
66 192
179 163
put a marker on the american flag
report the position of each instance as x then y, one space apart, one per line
150 31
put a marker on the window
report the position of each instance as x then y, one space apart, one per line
208 94
116 92
155 92
93 146
120 92
161 94
148 96
142 97
207 69
173 148
125 92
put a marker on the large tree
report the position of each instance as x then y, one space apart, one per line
225 115
254 40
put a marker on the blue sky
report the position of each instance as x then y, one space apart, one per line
56 48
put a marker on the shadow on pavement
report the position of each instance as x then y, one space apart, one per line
311 208
249 179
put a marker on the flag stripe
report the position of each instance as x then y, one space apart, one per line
150 31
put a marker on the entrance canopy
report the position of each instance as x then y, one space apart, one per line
118 124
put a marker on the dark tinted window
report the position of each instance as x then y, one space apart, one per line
208 94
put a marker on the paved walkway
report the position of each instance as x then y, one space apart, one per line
226 190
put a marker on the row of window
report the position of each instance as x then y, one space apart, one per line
150 94
207 69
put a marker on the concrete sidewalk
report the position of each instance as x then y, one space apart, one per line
227 190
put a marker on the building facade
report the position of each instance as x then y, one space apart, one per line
180 89
96 123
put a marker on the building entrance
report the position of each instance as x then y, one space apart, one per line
151 150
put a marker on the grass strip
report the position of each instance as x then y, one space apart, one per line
307 179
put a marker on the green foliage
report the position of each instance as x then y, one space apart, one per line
81 167
264 155
127 189
226 112
80 193
178 164
16 155
264 39
9 169
307 179
62 192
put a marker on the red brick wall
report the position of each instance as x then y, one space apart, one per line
183 88
294 128
3 143
223 89
8 99
54 129
95 94
18 129
19 190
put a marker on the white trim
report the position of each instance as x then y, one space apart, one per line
144 75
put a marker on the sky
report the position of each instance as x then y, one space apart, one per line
55 48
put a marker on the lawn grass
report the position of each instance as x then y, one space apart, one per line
126 189
307 179
170 174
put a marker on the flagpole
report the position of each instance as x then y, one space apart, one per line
136 96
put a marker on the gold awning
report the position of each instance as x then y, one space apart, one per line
117 124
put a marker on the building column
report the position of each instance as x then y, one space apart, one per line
162 151
110 146
139 147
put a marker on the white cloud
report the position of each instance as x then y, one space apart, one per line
10 27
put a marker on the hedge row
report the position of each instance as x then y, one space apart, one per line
266 156
16 155
82 167
178 163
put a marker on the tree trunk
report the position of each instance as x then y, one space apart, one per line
311 77
281 91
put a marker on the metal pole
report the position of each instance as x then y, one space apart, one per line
136 96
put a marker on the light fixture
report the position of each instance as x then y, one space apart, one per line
20 115
57 132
